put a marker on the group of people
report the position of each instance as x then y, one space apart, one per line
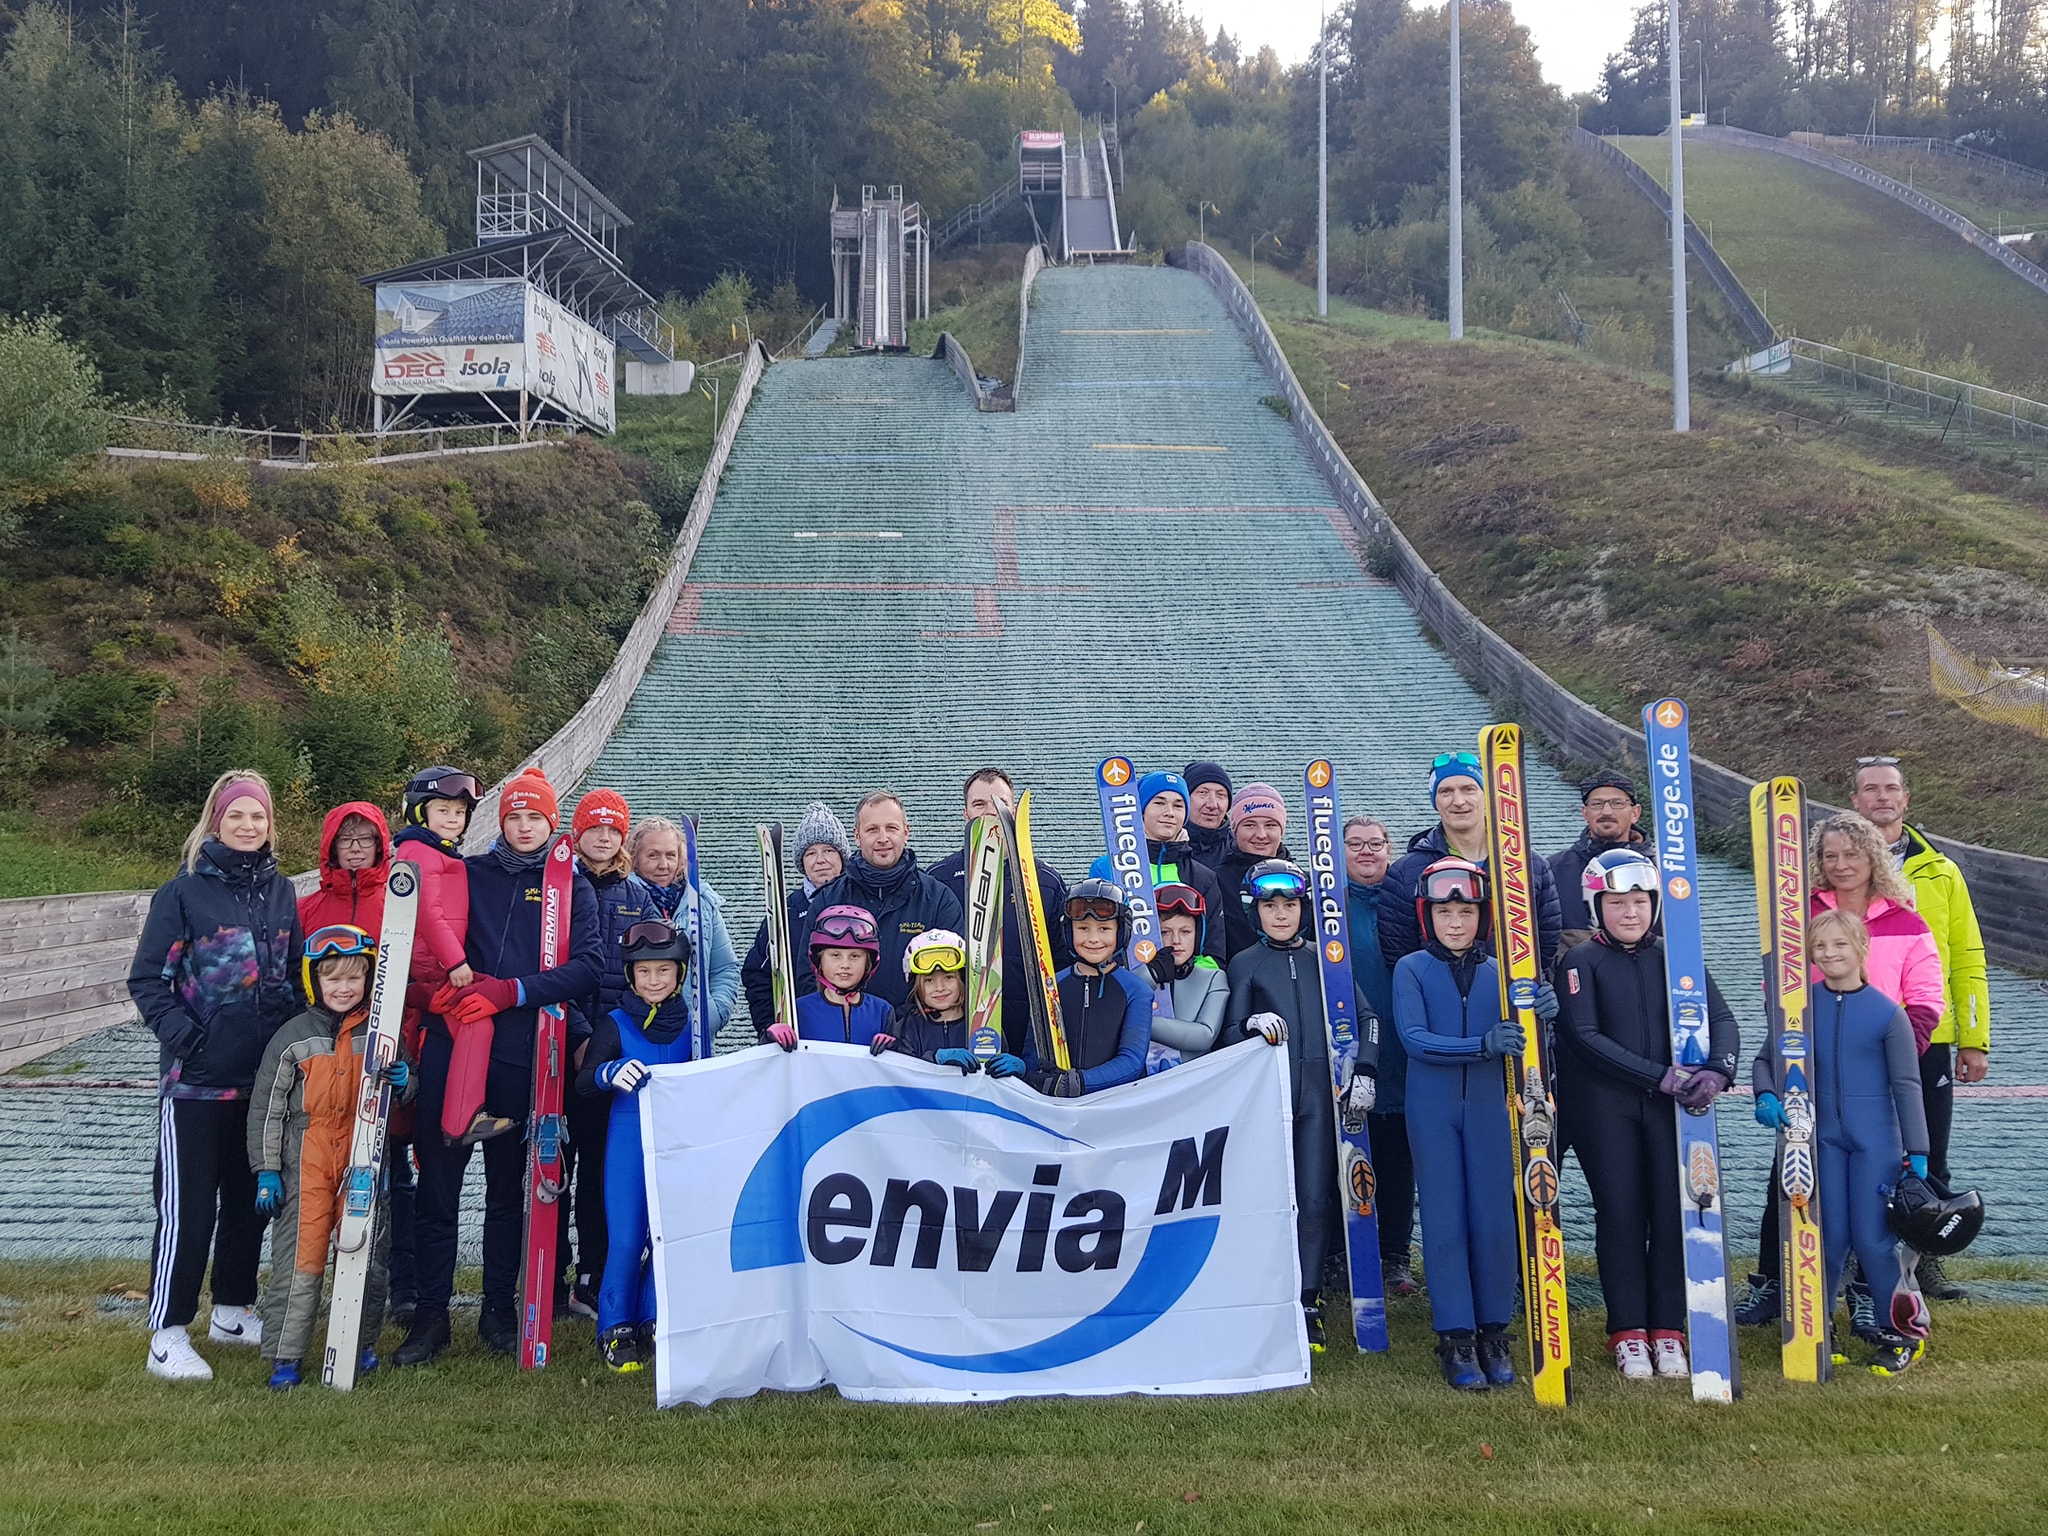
259 999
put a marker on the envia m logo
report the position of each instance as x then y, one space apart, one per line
846 1220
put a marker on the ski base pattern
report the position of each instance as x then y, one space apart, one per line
775 892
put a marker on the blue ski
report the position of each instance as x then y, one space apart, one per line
1716 1374
703 1031
1130 864
1357 1187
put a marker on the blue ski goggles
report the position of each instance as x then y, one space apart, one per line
1278 882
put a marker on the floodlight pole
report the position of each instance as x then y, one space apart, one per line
1457 305
1681 363
1323 165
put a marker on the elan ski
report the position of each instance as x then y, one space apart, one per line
1777 832
1048 1031
704 1033
362 1186
775 893
546 1170
985 938
1356 1185
1532 1107
1716 1374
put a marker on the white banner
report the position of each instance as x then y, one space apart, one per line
910 1234
568 362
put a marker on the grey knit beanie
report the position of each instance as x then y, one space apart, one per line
821 826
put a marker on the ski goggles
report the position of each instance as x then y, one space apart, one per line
1453 885
1177 900
452 786
338 939
648 935
1635 875
934 958
838 928
1277 883
1101 908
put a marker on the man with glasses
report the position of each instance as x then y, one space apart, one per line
1613 816
1959 1051
883 877
1368 853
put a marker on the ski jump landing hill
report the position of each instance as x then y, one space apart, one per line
880 584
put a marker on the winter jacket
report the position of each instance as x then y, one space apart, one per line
1568 868
720 960
755 973
504 941
1614 1025
1211 845
1239 932
443 922
1401 934
1287 980
216 970
622 900
819 1018
1942 898
297 1057
919 1034
1192 1009
1108 1021
663 1026
1904 962
905 902
1375 978
1864 1069
354 896
1020 970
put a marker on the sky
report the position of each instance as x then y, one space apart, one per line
1573 37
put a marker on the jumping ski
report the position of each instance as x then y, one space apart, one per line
1716 1374
1048 1032
546 1173
775 892
1777 833
1129 859
362 1186
1532 1108
704 1032
985 850
1357 1186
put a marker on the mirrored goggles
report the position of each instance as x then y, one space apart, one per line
1453 885
1100 908
1175 899
338 939
841 929
1278 883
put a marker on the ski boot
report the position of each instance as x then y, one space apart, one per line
1934 1280
424 1341
1398 1279
284 1376
1896 1355
1312 1315
1863 1314
1759 1305
1496 1358
644 1337
1458 1359
620 1348
1632 1355
1667 1354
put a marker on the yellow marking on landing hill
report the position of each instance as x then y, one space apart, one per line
1158 448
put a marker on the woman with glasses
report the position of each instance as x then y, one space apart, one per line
1195 990
1368 854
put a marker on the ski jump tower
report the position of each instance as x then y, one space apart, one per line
1078 176
881 259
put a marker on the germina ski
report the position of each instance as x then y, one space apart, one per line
546 1172
1048 1031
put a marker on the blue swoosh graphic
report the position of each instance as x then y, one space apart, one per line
765 1224
1173 1257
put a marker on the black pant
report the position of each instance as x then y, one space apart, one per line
1938 1093
1393 1167
589 1117
508 1091
205 1200
402 1188
1627 1146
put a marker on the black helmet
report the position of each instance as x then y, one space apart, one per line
653 939
1926 1217
1102 899
439 783
1269 878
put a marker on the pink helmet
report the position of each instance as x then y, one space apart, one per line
847 927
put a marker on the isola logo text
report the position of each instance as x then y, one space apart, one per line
1038 1220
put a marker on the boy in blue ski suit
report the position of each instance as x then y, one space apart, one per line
1447 1008
1870 1125
650 1028
1106 1010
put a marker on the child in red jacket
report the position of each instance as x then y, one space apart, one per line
355 858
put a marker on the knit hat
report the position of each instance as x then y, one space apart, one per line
1158 783
820 825
530 791
1258 800
238 789
1607 778
1453 765
602 808
1199 773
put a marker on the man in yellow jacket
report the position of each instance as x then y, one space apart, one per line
1960 1049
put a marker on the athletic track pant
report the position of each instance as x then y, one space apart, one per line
205 1201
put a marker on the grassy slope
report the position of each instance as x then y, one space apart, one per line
1777 583
93 1444
974 295
1991 201
1823 253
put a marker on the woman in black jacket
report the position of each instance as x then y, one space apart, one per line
216 973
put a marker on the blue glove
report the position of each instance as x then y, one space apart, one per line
269 1192
628 1076
1770 1113
398 1074
1006 1065
1505 1039
1546 1002
1917 1161
958 1056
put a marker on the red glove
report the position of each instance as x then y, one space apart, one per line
499 994
471 1011
443 999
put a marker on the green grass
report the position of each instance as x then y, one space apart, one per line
91 1443
34 861
675 429
1993 202
986 325
1823 254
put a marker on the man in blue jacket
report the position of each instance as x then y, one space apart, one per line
503 949
883 877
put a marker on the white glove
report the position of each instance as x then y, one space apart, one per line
1271 1025
1360 1093
628 1076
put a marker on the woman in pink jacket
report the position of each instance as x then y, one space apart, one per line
1851 870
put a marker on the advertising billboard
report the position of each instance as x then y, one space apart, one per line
451 338
568 362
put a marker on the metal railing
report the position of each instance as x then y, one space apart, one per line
278 445
795 345
1948 151
1034 263
1963 410
974 215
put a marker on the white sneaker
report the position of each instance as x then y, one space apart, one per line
235 1325
172 1357
1632 1357
1667 1352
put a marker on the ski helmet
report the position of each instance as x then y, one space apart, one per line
936 949
1103 899
1926 1216
847 927
653 939
327 943
441 783
1618 870
1270 878
1174 899
1450 879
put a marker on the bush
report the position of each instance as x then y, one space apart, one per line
109 703
52 418
26 684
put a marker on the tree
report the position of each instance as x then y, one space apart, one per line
52 418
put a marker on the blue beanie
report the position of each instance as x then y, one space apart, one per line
1101 869
1202 771
1461 765
1157 783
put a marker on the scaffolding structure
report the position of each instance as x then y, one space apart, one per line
881 268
